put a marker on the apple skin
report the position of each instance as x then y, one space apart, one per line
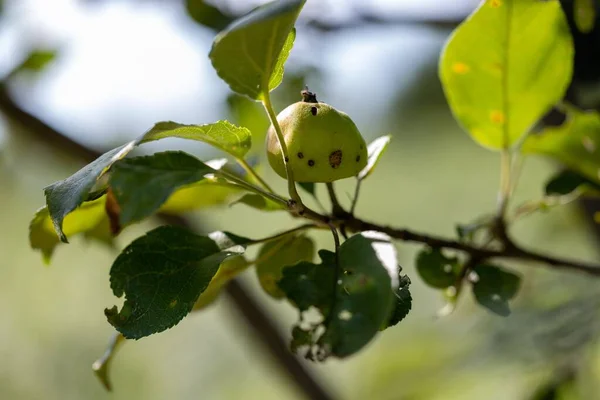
323 143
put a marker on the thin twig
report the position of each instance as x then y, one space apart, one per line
337 209
356 194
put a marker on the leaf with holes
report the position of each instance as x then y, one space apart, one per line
360 305
162 275
278 254
436 269
576 143
494 287
375 150
250 54
403 302
505 66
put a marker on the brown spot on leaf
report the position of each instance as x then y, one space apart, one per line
335 159
113 211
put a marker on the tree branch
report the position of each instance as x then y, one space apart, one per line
247 307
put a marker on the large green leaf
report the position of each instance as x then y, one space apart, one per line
276 255
359 307
142 184
228 270
162 275
250 54
494 287
65 196
505 66
576 143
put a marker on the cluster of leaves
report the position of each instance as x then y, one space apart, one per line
498 84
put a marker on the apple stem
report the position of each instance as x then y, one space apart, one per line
308 96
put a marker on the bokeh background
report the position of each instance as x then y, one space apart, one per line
122 65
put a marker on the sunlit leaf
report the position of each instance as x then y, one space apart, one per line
259 202
576 143
356 309
436 269
494 287
65 196
505 66
228 270
90 219
276 255
162 275
375 150
585 15
249 55
36 61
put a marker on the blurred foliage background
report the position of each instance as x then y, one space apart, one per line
112 68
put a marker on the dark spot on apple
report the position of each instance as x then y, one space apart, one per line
335 159
313 110
357 158
300 155
311 163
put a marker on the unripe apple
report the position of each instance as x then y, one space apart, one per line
323 143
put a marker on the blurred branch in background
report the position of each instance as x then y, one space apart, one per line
248 308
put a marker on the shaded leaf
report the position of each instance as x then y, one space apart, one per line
505 66
276 255
494 287
566 182
436 269
101 366
309 187
207 15
356 309
249 55
403 302
584 15
65 196
162 275
90 219
142 185
576 143
259 202
375 150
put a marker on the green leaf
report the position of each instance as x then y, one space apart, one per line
228 270
36 61
162 275
276 255
585 15
436 269
375 150
259 202
356 309
223 135
576 143
89 219
494 287
505 66
65 196
403 302
101 366
249 55
566 182
207 15
309 187
142 185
